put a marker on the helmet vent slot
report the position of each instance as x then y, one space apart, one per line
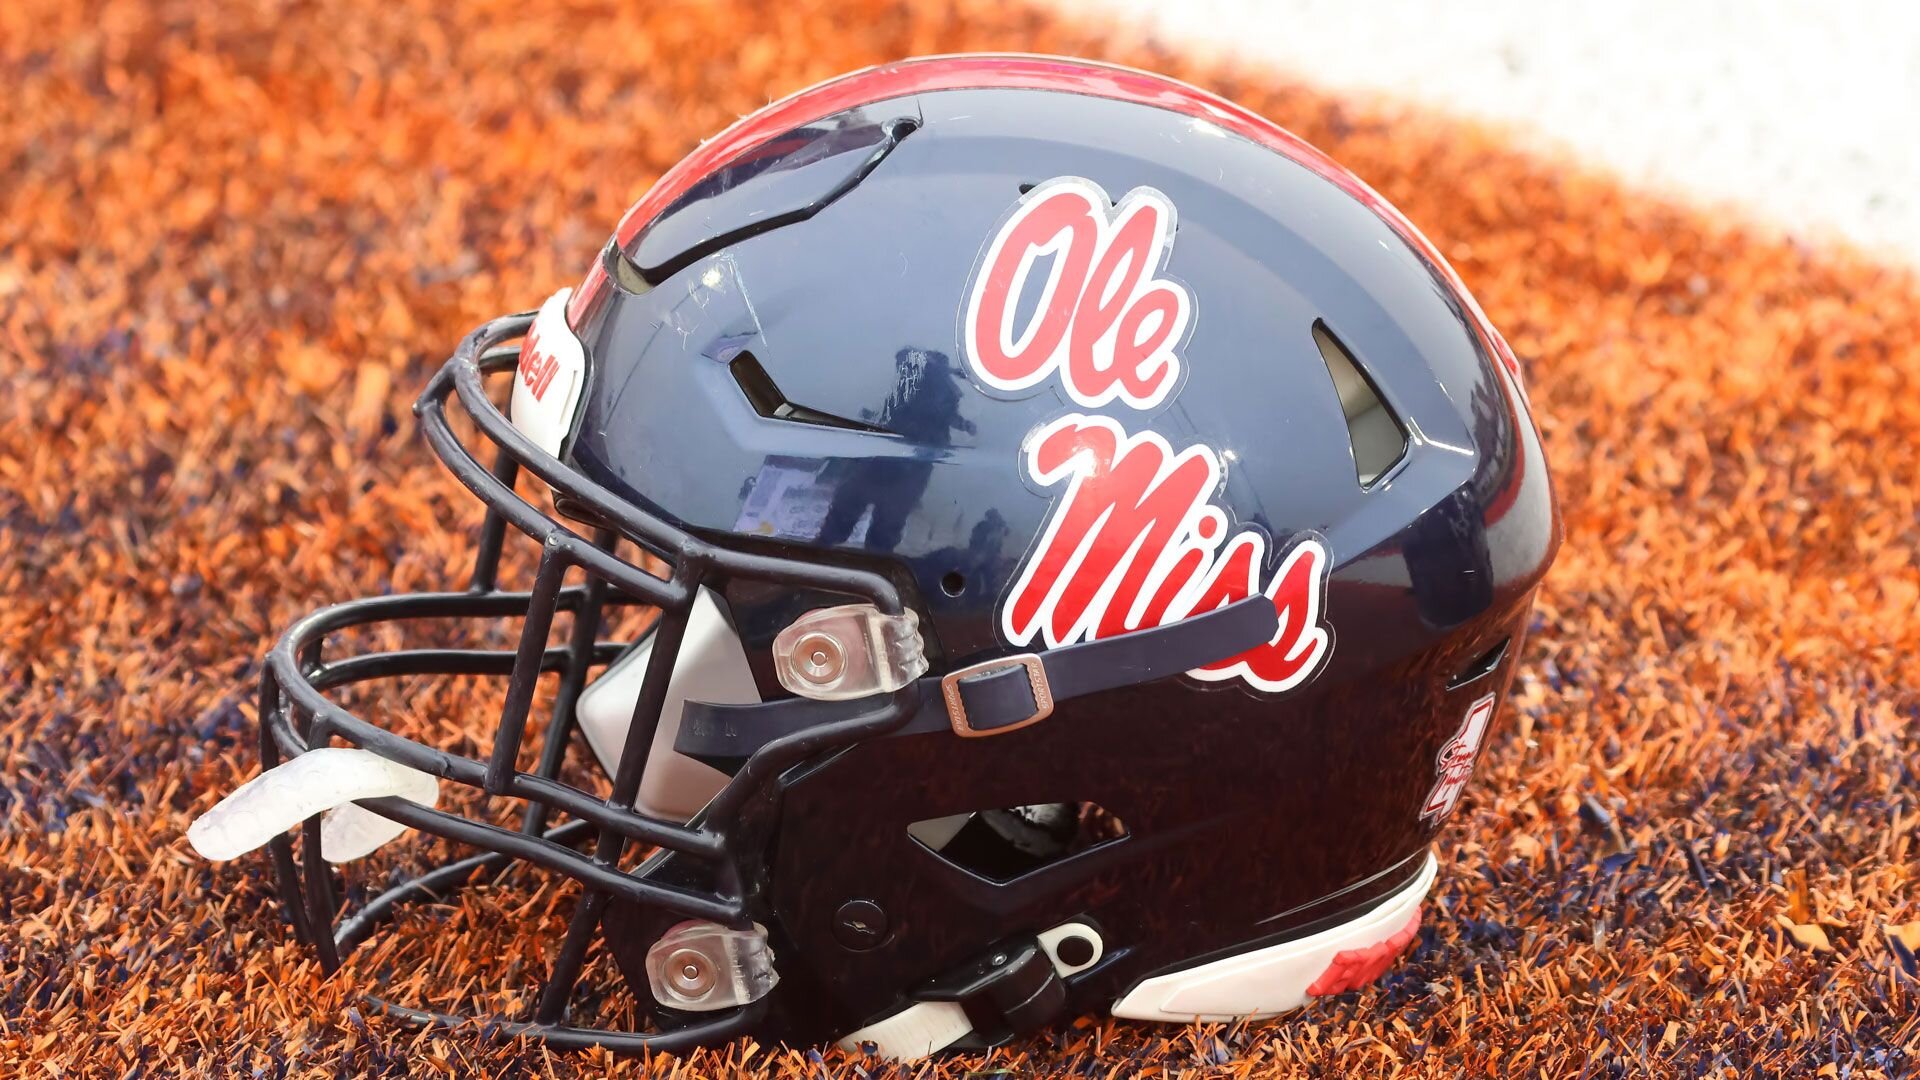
1483 665
764 395
1002 845
1376 436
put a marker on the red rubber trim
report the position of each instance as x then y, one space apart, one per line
1351 969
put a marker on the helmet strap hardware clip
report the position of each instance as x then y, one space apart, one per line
952 692
1012 989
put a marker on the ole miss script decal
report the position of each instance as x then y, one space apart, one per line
1104 323
1134 539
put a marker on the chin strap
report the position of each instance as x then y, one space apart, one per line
1004 694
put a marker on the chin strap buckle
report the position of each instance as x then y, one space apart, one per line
1025 700
1015 988
1010 990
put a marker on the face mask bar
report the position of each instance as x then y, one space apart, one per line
296 715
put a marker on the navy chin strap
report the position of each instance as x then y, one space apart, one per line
1002 695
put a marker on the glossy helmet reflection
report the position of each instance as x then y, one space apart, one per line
1086 535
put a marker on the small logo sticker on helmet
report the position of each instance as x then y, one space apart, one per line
1106 321
546 384
1454 764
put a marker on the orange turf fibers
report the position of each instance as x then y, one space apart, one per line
235 238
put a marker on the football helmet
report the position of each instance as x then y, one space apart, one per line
1086 531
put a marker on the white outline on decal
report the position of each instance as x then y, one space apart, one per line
1317 637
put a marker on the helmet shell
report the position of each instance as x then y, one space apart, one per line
837 242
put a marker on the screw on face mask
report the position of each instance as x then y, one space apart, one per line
850 651
701 966
689 974
819 659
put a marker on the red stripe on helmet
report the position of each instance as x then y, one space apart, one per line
1013 71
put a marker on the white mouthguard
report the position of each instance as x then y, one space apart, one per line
324 780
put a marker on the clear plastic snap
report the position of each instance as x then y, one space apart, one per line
701 966
851 651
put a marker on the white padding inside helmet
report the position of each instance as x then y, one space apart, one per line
711 667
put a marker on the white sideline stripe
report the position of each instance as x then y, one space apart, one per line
1804 116
1270 980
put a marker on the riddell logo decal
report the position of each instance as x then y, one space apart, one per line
547 381
1105 322
1134 540
537 368
1453 766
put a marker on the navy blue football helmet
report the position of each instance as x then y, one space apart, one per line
1081 536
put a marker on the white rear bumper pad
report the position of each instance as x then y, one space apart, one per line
1283 977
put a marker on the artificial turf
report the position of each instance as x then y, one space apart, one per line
236 238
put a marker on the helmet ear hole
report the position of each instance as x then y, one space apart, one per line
953 583
1015 841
